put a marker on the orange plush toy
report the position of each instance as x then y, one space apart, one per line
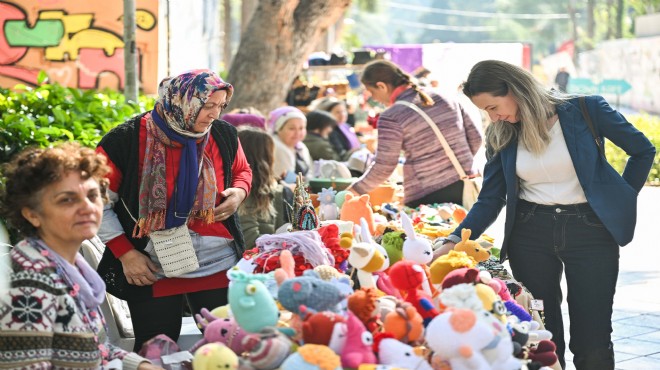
355 207
363 304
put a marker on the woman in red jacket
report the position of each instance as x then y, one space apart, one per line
173 168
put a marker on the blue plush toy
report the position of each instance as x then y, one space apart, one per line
251 303
310 291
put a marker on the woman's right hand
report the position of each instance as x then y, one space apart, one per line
138 268
444 249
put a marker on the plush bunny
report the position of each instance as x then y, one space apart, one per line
217 330
458 336
367 259
471 247
215 356
415 248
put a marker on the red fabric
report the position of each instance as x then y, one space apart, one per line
119 245
397 92
173 286
115 176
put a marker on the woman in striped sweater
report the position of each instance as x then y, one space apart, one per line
429 176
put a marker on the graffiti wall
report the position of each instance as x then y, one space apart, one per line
77 43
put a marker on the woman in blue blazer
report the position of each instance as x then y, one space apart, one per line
567 209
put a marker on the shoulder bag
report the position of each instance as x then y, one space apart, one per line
471 185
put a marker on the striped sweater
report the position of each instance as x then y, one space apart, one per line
41 326
427 168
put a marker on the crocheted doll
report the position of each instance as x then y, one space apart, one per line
328 209
304 215
215 356
251 303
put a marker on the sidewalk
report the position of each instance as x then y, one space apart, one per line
636 318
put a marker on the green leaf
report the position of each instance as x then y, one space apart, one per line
42 77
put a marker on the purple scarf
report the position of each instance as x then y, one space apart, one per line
349 135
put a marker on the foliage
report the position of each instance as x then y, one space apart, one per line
52 113
650 126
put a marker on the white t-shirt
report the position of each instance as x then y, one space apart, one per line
549 178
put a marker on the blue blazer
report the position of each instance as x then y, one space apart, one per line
613 197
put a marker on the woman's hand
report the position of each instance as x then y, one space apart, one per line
444 249
233 197
138 268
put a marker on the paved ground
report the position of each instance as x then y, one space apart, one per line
636 319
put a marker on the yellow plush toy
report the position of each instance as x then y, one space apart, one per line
215 356
471 247
451 261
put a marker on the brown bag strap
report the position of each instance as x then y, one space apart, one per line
585 113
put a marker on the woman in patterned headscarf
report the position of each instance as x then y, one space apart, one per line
174 166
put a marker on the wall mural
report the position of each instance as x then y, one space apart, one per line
77 43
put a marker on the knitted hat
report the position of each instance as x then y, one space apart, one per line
327 104
245 119
278 117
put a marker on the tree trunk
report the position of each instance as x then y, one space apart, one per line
247 9
619 19
591 24
226 44
611 13
279 38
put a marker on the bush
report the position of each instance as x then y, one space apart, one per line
650 126
49 114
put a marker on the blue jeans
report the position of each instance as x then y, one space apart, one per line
545 242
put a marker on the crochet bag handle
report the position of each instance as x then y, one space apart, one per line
445 144
585 113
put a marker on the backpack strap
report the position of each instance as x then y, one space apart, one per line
585 114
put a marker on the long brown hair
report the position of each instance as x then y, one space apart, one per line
260 154
390 74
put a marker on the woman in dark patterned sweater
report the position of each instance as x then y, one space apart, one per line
51 319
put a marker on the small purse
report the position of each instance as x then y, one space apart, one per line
471 184
174 249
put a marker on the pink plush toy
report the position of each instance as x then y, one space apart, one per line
216 330
358 347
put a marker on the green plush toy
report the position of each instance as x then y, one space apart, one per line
393 244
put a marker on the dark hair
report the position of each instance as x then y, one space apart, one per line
319 120
390 74
33 169
261 157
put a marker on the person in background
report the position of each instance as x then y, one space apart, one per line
289 127
175 166
319 126
561 79
265 209
50 317
245 119
342 138
428 175
567 209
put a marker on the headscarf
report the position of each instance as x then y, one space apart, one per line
170 124
245 119
278 117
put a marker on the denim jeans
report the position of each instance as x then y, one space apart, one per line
545 242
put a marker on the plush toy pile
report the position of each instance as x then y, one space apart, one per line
361 293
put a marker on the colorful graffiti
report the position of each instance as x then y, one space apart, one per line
77 43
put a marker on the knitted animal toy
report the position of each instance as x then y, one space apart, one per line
367 259
267 349
358 347
213 356
408 276
309 290
393 243
356 207
217 330
363 304
303 211
500 287
395 353
471 247
328 208
415 248
443 265
457 336
326 328
251 303
405 323
312 357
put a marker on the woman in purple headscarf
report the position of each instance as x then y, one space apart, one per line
177 166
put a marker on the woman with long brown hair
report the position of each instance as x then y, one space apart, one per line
429 176
264 210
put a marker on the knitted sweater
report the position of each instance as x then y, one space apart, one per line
427 167
42 327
